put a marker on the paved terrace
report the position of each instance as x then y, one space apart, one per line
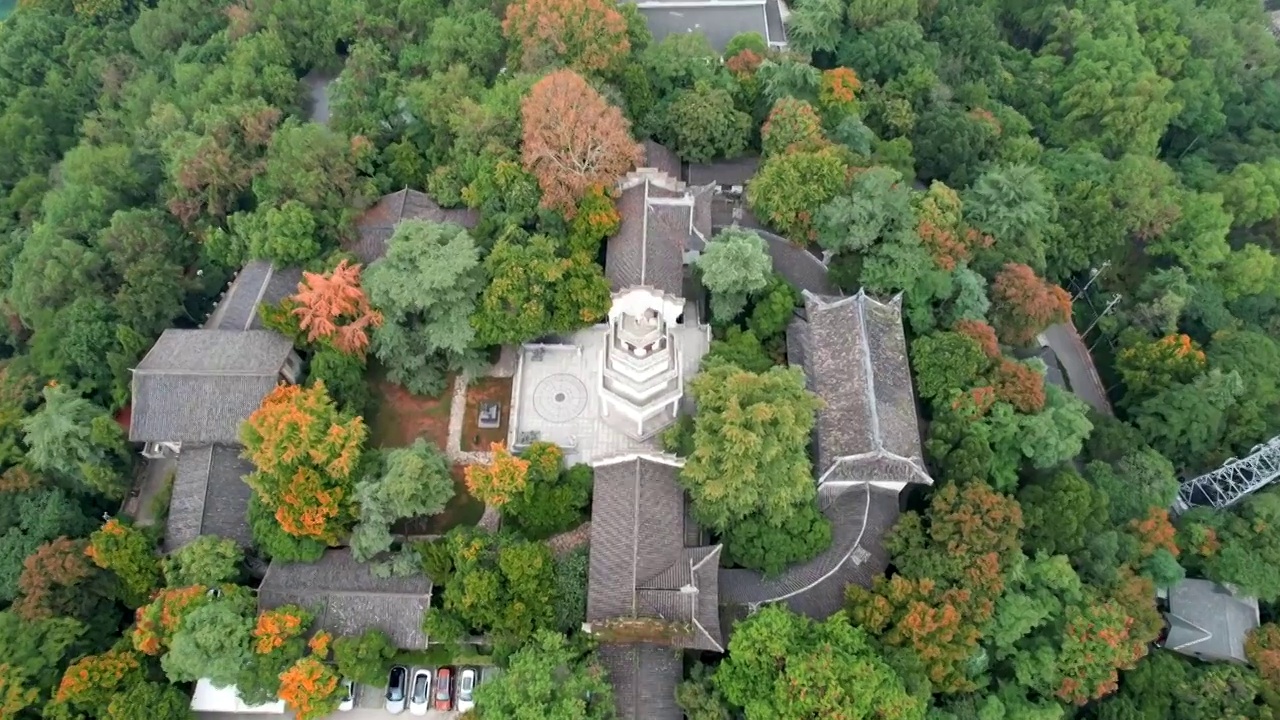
556 394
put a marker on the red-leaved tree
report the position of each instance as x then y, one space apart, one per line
1023 304
333 307
586 35
574 140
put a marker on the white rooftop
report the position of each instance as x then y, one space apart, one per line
556 397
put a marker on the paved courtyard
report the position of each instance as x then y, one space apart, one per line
556 395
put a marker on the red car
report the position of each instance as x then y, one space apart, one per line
444 689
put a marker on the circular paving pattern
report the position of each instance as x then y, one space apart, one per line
560 398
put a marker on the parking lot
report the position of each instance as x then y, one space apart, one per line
369 706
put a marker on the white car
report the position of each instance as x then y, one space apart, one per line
348 695
466 689
396 684
420 692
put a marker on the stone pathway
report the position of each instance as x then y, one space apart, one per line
570 540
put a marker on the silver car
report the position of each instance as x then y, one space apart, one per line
397 689
466 689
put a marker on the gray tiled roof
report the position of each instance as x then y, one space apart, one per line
639 566
728 173
209 497
197 386
648 249
378 223
718 22
854 353
258 283
644 679
797 265
661 158
860 516
1209 621
348 599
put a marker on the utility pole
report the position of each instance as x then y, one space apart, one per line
1093 275
1115 299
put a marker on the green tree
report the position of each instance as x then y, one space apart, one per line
763 543
791 188
130 554
547 678
877 207
212 642
734 265
364 658
30 519
945 363
701 124
272 541
207 560
534 291
1012 205
750 444
425 287
788 667
554 498
415 483
741 348
571 590
37 651
792 125
146 700
76 441
1061 512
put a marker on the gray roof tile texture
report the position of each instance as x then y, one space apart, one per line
1209 621
718 23
854 354
639 563
378 223
256 284
209 497
859 515
736 171
648 249
644 679
197 386
348 599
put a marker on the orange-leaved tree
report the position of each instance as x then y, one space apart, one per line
310 688
574 140
89 682
156 622
306 452
277 626
497 483
585 35
839 88
1023 304
983 333
332 307
320 644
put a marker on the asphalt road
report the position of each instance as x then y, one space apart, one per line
1077 363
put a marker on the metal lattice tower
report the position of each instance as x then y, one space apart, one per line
1235 479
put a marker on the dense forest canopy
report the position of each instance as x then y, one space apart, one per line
1005 165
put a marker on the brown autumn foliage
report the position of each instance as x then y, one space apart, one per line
1019 385
983 333
212 171
1024 304
55 565
586 35
1263 650
334 308
574 140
